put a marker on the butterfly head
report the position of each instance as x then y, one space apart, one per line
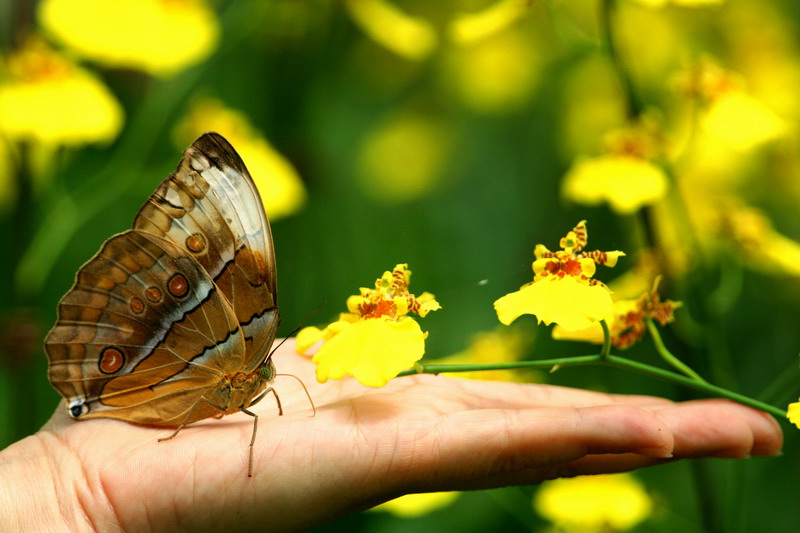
267 371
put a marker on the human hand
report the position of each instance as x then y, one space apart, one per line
364 446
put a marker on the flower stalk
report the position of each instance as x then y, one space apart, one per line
605 351
632 103
666 355
608 360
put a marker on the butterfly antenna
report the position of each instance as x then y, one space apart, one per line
295 330
313 407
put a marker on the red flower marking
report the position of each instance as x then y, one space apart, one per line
630 330
377 309
601 258
561 268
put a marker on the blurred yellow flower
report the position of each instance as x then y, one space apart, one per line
282 190
766 59
159 37
496 74
718 169
468 28
764 248
626 183
741 121
501 345
730 115
563 290
414 505
602 503
625 175
45 97
416 38
682 3
377 339
404 158
407 36
793 413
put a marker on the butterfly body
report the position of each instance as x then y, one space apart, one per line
238 391
172 321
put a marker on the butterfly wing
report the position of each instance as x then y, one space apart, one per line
142 335
211 208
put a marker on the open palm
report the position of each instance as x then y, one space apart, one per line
363 446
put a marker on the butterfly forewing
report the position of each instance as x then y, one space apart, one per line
211 208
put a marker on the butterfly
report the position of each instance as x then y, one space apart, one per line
172 321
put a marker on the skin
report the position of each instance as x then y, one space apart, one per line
363 447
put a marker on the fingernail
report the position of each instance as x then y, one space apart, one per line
766 451
732 453
654 451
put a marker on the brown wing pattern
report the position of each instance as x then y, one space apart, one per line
142 334
210 207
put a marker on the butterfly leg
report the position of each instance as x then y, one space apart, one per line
252 440
261 397
255 423
188 417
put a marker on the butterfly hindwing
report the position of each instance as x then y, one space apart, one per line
143 334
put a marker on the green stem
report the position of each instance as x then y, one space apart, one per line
632 104
666 355
610 360
605 351
543 363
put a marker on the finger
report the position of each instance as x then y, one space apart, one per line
495 394
588 465
767 433
721 428
472 447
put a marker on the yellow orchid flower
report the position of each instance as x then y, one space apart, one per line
376 339
563 290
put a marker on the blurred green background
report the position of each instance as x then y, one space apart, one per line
439 134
